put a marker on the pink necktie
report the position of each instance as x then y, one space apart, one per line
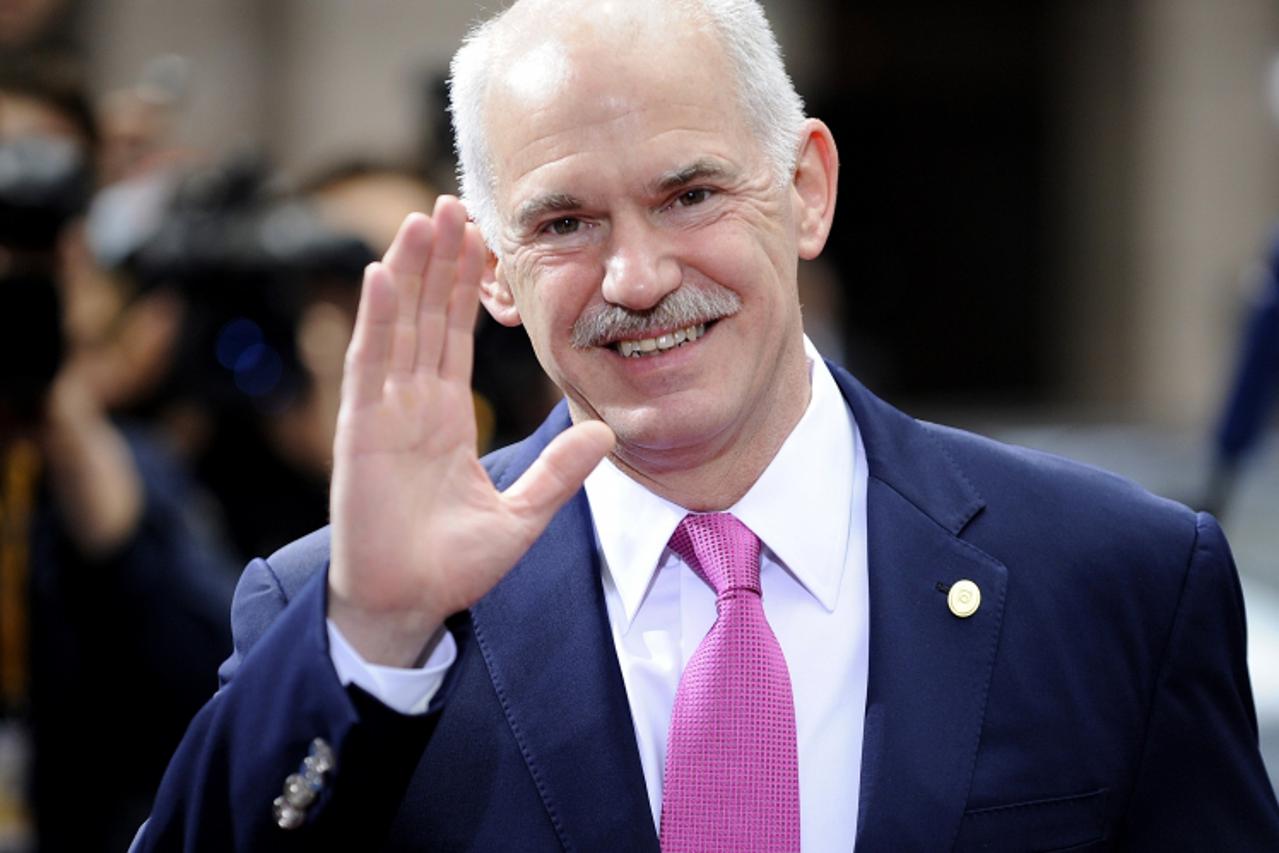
732 775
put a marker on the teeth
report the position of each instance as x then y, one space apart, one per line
634 349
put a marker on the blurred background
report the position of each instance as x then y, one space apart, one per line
1082 197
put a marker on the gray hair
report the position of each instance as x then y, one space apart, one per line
767 95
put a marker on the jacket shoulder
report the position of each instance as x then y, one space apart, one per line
1037 502
1007 471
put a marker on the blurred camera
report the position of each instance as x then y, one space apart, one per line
44 183
241 260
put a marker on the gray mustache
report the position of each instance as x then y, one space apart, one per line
685 306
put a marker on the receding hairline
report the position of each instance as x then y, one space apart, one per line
524 14
518 31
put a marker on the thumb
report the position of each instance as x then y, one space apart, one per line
557 474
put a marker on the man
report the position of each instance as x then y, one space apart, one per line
960 645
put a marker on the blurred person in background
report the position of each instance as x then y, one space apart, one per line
366 200
103 556
1250 401
258 282
136 123
29 27
1252 390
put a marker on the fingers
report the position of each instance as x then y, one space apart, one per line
438 281
418 308
459 339
375 322
557 474
405 261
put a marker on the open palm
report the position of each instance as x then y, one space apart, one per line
419 531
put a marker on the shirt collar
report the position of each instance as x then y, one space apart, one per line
807 487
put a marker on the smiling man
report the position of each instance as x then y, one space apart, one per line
636 200
725 598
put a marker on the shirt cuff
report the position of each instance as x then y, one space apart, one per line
408 691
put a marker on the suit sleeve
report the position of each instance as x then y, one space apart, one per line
280 695
1202 784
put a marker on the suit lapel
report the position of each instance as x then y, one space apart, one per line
929 669
543 632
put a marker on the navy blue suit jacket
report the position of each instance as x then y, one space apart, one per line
1097 700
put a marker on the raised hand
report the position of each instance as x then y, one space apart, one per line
419 531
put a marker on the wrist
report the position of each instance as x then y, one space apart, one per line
399 639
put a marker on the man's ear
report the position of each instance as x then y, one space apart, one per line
496 294
815 182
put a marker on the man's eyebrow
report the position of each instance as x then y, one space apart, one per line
699 170
536 208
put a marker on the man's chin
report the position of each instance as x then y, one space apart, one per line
664 437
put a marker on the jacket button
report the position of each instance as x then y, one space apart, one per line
302 788
964 598
287 817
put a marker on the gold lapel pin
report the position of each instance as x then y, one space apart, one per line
964 598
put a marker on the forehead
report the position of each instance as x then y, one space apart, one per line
644 95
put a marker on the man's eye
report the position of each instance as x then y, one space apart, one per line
564 226
688 198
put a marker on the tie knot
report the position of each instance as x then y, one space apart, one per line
721 549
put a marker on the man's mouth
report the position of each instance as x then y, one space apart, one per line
661 343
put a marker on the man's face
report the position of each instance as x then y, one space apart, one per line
628 180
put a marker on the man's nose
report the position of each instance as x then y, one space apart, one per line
641 267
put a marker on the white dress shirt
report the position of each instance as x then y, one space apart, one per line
809 510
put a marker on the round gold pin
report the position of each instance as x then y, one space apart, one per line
964 598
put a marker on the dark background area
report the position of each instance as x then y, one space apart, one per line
940 113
